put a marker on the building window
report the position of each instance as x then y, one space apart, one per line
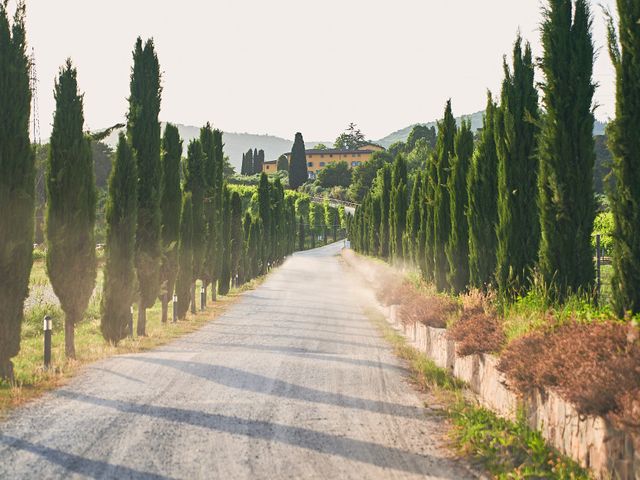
330 155
310 164
322 164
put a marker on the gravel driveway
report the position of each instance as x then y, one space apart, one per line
293 381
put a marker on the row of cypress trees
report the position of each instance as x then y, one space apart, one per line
522 197
252 162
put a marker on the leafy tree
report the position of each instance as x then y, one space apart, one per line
351 139
363 175
143 130
121 216
17 173
398 208
421 132
482 216
442 207
170 205
283 163
71 206
566 147
298 163
516 129
624 48
458 244
185 257
320 146
225 261
337 174
396 149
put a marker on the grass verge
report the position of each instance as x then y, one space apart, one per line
32 380
508 450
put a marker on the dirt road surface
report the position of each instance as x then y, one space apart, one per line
293 381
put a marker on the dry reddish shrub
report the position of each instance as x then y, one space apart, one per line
594 366
393 290
433 311
478 329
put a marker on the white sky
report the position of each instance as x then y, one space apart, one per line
281 66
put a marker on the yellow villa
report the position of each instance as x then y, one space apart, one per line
318 159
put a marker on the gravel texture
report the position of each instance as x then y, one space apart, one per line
293 381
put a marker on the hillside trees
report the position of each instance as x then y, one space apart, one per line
516 128
482 191
351 139
143 130
17 195
337 174
624 49
170 206
119 270
298 163
71 194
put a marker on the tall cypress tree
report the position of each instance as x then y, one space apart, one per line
398 208
185 257
283 163
566 147
298 164
458 245
442 209
518 229
427 234
264 211
194 182
384 184
246 274
247 163
144 133
119 270
209 150
237 235
258 161
71 206
374 216
170 205
414 215
17 174
624 48
215 230
225 261
482 209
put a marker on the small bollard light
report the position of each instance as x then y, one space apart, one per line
131 321
48 327
202 299
174 306
236 280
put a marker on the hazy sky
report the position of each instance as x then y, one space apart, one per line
281 66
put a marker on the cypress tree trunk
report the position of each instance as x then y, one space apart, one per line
625 145
17 196
482 209
518 231
442 210
71 203
458 245
119 270
566 148
144 133
170 205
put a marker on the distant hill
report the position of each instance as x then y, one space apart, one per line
476 123
235 144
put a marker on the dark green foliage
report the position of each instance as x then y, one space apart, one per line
143 131
237 235
384 185
283 163
336 174
170 205
442 209
396 148
482 210
71 206
264 212
518 229
566 148
185 257
362 176
225 260
458 245
625 145
351 139
208 143
398 208
194 182
17 173
373 219
121 216
602 178
421 132
247 163
427 230
298 163
258 161
254 247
